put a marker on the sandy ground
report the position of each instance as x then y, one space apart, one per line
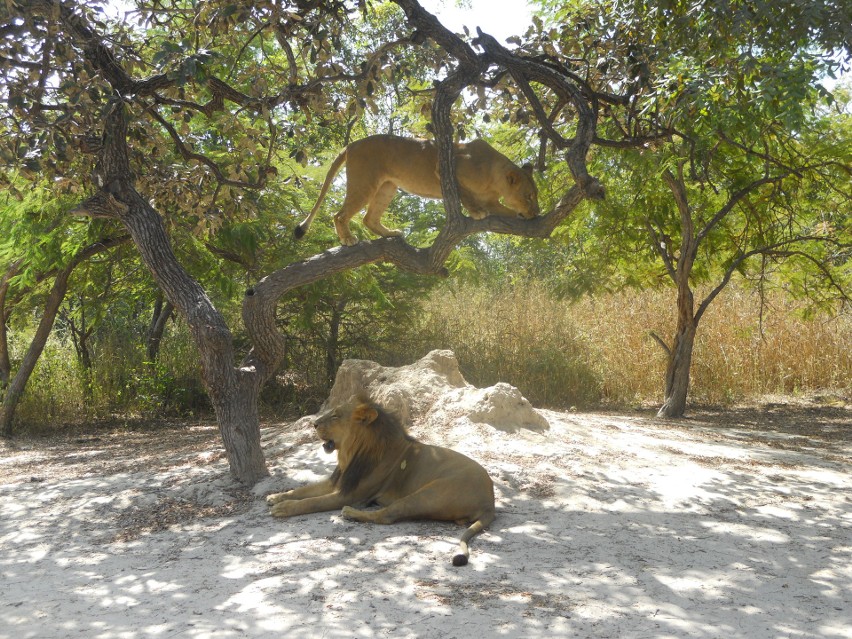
728 524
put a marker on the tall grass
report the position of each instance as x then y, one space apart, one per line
119 384
600 350
520 336
587 353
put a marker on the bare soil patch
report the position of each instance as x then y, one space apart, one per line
732 522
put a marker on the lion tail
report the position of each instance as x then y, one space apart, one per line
303 227
484 520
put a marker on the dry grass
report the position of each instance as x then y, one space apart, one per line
599 349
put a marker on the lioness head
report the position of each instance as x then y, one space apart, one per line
340 425
522 193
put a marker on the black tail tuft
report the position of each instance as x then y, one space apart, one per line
298 232
460 560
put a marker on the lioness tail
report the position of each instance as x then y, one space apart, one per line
460 558
299 231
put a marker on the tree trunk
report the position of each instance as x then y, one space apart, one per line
22 376
677 371
680 355
333 342
239 425
162 312
233 391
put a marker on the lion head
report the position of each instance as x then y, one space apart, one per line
361 432
522 192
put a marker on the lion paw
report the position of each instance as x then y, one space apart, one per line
275 498
349 241
348 512
282 508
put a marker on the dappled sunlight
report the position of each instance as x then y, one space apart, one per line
605 527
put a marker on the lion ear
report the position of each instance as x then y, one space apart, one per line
364 414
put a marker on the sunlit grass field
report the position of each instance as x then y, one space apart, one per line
594 352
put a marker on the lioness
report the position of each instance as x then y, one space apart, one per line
378 165
379 463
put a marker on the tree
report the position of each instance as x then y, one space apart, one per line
736 144
232 88
18 382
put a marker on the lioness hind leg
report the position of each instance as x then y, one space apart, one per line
341 225
377 207
354 201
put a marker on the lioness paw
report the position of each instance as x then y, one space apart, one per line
349 241
275 498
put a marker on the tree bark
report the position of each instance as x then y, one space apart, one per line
163 310
233 391
680 355
680 362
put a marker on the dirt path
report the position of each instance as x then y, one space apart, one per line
729 524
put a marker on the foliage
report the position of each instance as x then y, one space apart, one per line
710 113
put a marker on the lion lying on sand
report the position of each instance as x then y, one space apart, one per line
378 165
379 463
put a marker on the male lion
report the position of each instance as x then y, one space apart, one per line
379 463
378 165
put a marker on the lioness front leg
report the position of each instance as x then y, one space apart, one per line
473 205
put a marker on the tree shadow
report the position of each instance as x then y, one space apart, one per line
721 537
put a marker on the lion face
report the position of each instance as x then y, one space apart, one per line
522 192
337 426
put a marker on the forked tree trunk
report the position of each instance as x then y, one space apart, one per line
677 371
233 388
162 312
680 353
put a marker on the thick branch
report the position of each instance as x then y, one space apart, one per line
260 302
428 24
524 71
